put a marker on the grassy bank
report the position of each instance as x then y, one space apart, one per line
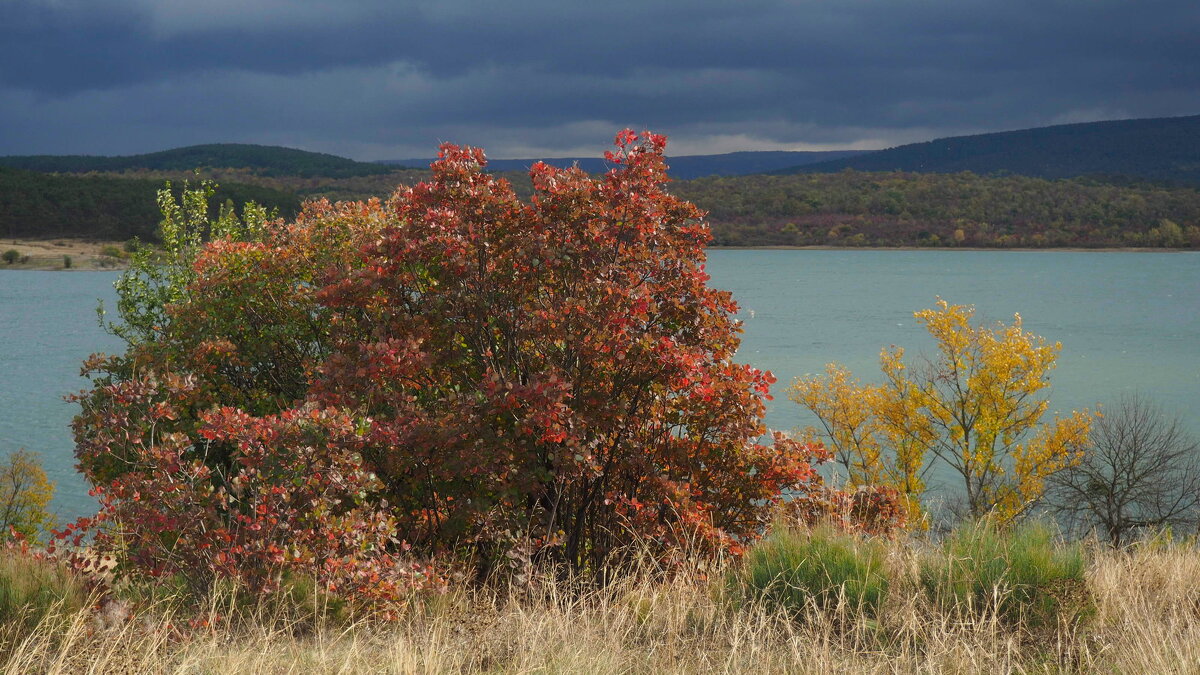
62 254
981 602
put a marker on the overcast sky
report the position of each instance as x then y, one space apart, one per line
383 79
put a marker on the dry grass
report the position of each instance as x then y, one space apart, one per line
1147 620
47 254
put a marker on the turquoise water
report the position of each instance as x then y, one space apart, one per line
1127 321
49 326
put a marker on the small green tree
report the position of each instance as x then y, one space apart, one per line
25 493
11 256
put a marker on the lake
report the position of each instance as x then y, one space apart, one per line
1127 322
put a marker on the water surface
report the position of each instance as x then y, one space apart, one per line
1127 321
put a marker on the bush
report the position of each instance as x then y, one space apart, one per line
67 261
451 373
11 256
111 251
1025 576
815 569
866 509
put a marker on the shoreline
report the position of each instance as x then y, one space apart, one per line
90 255
50 254
1064 249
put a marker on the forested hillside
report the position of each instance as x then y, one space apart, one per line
1161 149
47 205
847 208
909 209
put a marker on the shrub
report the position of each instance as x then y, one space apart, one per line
452 372
11 256
813 569
111 251
866 509
67 261
1024 575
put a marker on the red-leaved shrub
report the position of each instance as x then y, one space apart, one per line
443 375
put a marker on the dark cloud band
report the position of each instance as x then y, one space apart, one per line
395 77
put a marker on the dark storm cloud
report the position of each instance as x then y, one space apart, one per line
386 78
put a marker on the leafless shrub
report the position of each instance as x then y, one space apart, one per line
1141 472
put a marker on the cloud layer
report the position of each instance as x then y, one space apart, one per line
384 79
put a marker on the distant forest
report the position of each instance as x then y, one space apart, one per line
114 197
102 207
853 208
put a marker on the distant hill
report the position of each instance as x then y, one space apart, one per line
265 160
683 167
1160 149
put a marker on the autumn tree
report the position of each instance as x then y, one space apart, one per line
451 372
977 407
25 493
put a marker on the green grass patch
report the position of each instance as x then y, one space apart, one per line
1025 575
819 569
31 591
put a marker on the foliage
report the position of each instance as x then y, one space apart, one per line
867 509
976 408
25 493
11 256
1023 575
450 372
1141 472
823 569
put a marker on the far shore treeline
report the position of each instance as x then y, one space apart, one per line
113 199
104 207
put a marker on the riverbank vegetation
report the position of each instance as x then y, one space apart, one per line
984 602
21 253
977 408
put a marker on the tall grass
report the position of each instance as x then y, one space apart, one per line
799 570
1146 620
33 592
1025 576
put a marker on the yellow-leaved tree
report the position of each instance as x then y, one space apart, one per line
977 406
25 493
